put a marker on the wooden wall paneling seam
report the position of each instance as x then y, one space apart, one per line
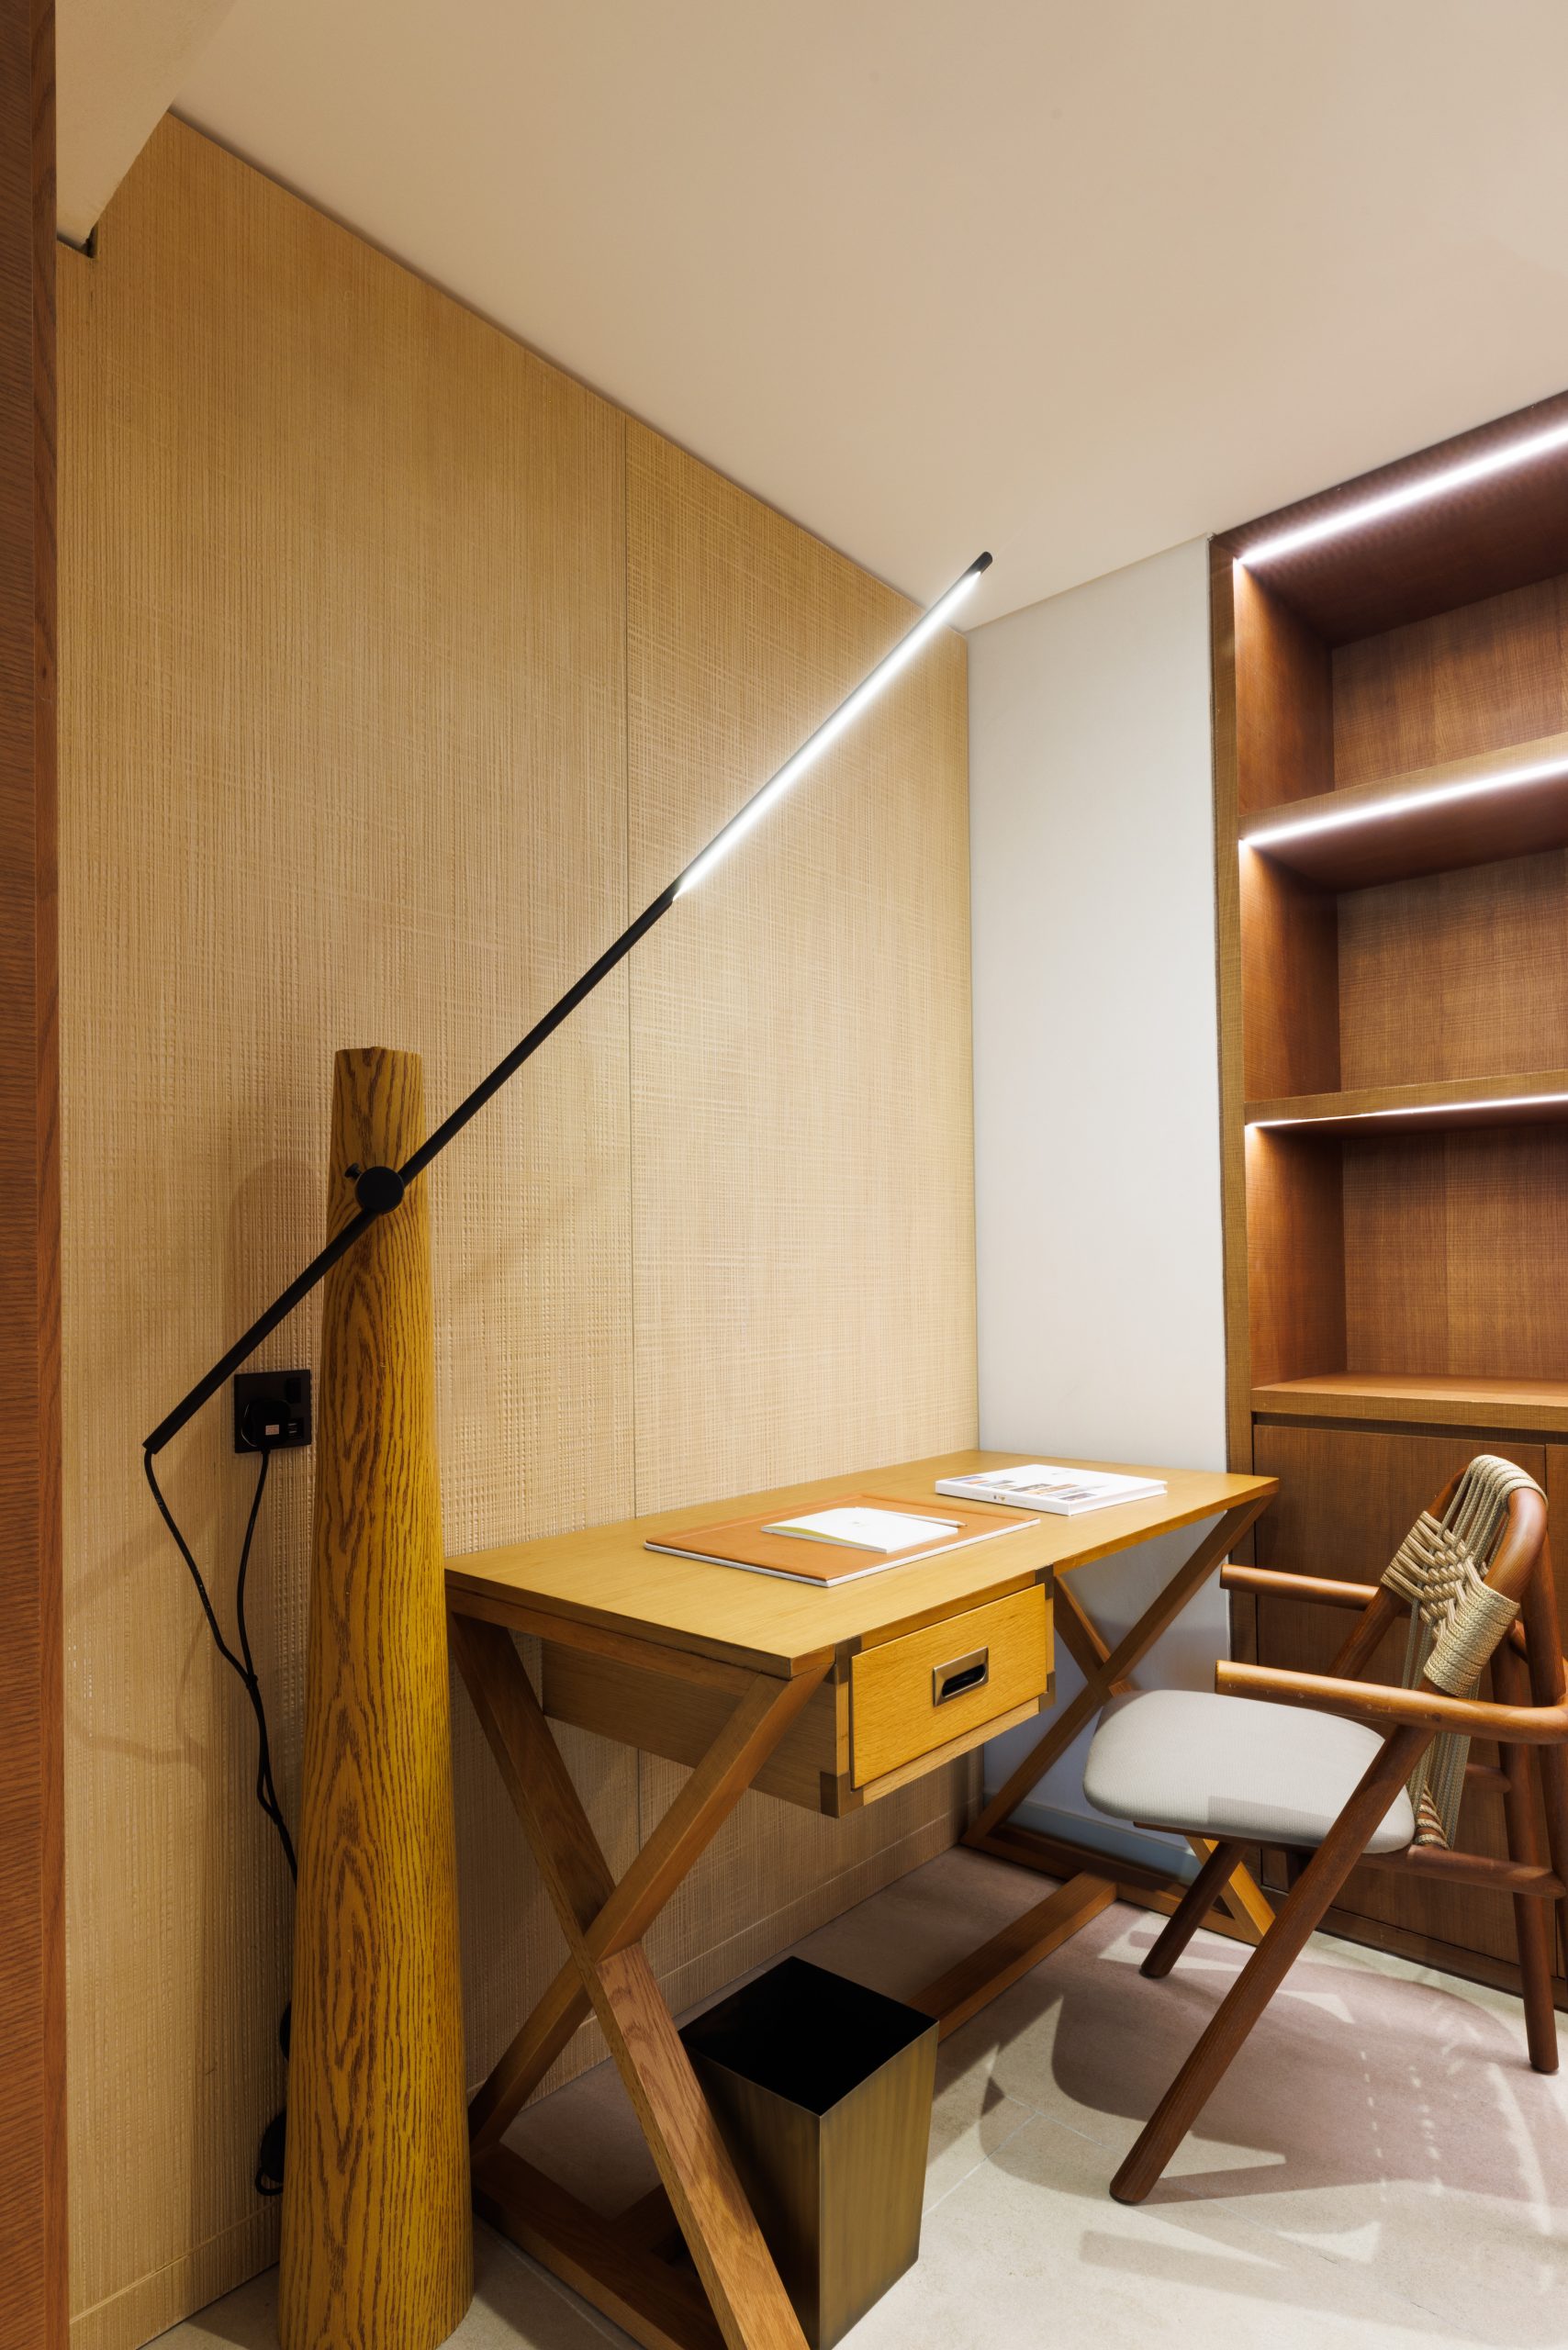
33 2232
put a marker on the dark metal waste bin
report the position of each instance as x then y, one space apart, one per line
822 2090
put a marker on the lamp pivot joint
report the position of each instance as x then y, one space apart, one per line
379 1190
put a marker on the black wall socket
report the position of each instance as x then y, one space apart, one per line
273 1407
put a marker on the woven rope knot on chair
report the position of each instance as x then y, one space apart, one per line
1456 1621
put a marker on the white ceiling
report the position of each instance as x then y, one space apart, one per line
1076 279
118 63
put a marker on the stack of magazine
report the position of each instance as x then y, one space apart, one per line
1065 1493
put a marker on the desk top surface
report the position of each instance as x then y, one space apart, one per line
604 1577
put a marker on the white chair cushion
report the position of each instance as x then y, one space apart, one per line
1234 1766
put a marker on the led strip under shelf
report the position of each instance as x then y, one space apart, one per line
1416 1110
1379 508
1411 802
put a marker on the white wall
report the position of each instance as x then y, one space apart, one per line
1096 1077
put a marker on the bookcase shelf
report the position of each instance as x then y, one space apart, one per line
1538 1405
1392 901
1399 827
1539 1098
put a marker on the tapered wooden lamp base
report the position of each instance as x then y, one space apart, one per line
377 2233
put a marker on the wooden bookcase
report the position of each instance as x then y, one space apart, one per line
1393 989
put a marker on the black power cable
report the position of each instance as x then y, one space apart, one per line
269 2165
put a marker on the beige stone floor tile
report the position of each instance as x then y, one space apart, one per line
1029 2253
1382 2115
972 2119
914 1929
1412 2135
586 2137
515 2307
1380 2168
243 2319
1087 2042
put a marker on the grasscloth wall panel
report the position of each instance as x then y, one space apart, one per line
801 1029
802 1164
349 756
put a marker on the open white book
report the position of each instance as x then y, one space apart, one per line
1064 1493
866 1529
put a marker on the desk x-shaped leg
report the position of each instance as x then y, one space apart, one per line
1246 1913
740 2298
740 2302
735 2298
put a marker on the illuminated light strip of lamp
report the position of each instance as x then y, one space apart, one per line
1417 1110
1410 803
1415 493
831 729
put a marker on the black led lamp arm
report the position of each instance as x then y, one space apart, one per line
380 1189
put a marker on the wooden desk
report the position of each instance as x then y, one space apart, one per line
828 1698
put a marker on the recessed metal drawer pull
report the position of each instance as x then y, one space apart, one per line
972 1671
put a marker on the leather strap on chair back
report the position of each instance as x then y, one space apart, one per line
1456 1621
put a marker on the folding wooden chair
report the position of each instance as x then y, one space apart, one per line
1368 1771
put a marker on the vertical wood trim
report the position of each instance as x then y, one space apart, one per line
1232 1085
32 1944
1228 924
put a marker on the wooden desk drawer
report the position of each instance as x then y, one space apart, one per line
912 1695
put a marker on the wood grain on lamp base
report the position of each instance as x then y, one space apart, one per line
378 2236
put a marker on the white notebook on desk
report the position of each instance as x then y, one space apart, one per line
1060 1492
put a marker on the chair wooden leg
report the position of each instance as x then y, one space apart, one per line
1193 1909
1533 1926
1553 1764
1269 1965
1533 1919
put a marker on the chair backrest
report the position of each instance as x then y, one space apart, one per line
1464 1567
